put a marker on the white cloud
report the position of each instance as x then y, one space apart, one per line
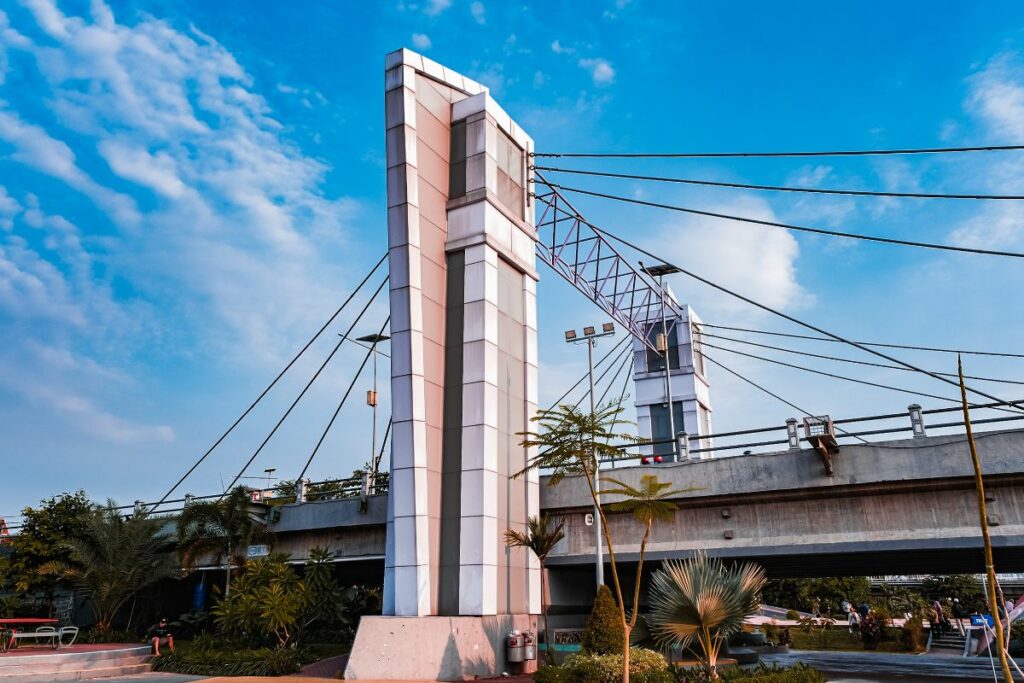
478 11
421 41
435 7
558 49
235 244
997 96
600 70
755 261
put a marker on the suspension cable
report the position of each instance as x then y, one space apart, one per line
724 155
270 386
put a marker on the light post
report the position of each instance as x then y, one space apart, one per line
589 337
660 272
371 398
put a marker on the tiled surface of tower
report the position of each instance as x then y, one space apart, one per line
464 346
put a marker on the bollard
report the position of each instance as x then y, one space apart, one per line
792 434
916 420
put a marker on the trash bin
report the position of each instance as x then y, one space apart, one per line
515 647
529 646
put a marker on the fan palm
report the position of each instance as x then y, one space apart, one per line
541 540
649 503
701 600
115 558
219 529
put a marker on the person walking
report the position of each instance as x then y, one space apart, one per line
938 618
959 613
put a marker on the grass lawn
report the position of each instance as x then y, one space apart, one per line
842 639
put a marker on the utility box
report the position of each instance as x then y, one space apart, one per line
515 648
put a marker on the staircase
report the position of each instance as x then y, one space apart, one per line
74 666
951 643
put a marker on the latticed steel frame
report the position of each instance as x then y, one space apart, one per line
590 263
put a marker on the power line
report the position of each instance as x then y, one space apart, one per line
774 311
790 226
341 403
270 386
724 155
850 360
628 360
306 388
780 188
889 346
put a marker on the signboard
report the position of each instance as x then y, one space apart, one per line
258 551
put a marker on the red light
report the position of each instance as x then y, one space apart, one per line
645 460
657 458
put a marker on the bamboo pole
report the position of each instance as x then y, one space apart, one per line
990 569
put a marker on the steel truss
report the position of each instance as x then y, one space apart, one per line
590 263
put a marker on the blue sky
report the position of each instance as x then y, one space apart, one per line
188 189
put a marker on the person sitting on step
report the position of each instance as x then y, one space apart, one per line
159 633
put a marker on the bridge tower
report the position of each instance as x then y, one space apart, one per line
461 242
691 400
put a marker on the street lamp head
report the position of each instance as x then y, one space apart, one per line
588 331
570 335
660 270
608 328
373 338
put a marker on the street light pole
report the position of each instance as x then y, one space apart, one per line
590 337
371 399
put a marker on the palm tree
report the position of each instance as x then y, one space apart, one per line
115 558
220 529
541 541
648 504
702 600
572 442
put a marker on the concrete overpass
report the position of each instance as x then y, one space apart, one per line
895 507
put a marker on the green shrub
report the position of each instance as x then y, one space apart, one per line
871 631
94 635
792 615
603 633
645 666
261 662
762 673
1017 630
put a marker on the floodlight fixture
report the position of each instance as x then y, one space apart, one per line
660 270
588 331
570 335
608 328
373 338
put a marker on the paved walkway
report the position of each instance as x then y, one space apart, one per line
875 665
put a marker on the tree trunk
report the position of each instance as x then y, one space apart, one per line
544 614
227 579
625 649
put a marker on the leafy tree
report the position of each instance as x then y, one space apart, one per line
219 530
268 600
572 443
541 540
963 586
44 538
649 503
324 598
113 558
603 633
832 590
701 600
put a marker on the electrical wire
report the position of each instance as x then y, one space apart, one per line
270 386
779 188
790 226
850 360
776 312
341 403
725 155
889 346
306 388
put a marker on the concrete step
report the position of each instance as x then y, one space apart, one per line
56 657
78 675
42 664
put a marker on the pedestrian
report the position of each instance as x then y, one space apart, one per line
157 633
864 611
816 607
959 613
938 618
853 619
1009 606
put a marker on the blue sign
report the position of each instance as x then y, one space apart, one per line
979 620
